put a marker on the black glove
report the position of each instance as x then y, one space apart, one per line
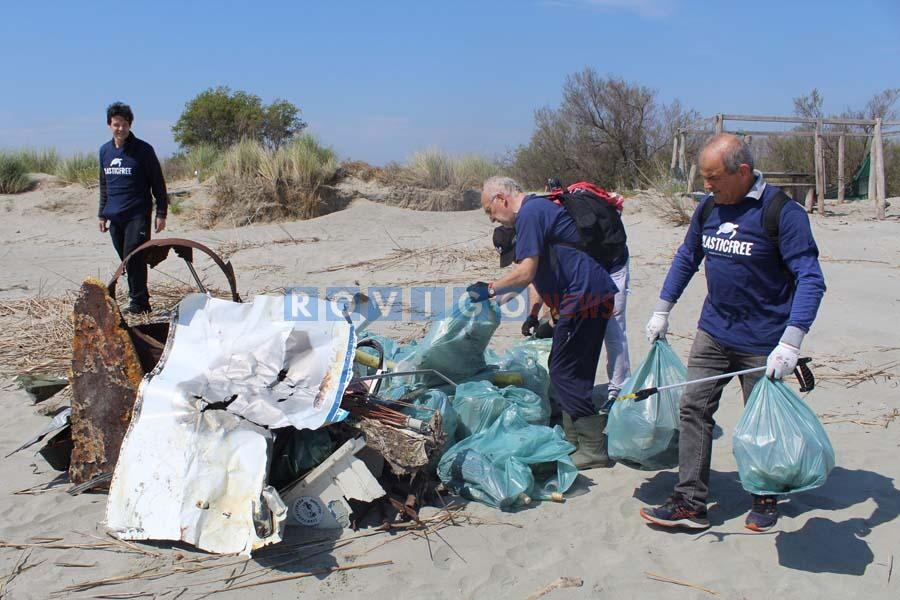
479 291
529 327
544 330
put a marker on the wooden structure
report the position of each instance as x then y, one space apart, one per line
877 189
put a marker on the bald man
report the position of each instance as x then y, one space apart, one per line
569 281
764 286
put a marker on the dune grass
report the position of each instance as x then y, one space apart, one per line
437 170
82 168
257 184
669 196
13 174
203 160
43 160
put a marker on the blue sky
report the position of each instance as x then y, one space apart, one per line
380 80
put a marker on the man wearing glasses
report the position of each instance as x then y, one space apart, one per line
568 280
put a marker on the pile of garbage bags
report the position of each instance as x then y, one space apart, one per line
500 450
509 463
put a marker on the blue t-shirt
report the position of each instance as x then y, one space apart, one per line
567 278
755 289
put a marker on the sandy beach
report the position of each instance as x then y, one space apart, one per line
838 541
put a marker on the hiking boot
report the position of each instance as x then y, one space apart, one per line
136 309
568 426
592 442
764 514
676 513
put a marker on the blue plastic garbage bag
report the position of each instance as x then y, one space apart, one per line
424 406
779 444
644 434
479 403
535 409
455 344
498 466
527 362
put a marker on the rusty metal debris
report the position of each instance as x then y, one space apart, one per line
106 372
156 251
109 359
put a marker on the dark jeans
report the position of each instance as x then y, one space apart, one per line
126 236
577 341
698 405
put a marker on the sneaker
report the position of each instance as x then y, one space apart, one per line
764 514
136 309
676 513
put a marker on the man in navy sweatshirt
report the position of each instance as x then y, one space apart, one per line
763 292
129 174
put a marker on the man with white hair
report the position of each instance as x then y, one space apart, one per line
764 286
569 280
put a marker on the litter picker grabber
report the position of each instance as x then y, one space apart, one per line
803 373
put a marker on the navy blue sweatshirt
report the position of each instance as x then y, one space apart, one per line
755 289
127 177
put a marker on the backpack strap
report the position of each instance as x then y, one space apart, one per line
708 205
772 215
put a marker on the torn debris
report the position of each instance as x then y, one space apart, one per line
194 420
193 465
106 372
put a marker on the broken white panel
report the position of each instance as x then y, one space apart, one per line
194 476
271 370
320 498
194 461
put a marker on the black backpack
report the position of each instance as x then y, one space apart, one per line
771 216
598 222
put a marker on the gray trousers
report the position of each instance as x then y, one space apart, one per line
698 405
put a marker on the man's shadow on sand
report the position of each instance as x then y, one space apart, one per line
821 545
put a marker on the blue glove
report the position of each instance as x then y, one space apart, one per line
479 291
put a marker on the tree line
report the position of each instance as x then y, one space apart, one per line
606 129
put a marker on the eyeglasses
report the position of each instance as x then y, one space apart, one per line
490 207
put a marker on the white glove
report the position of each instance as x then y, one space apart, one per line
657 326
782 361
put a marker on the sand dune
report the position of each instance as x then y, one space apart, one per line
838 541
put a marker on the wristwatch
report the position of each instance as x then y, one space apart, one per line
491 291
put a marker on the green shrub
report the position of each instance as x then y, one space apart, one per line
45 160
13 174
82 168
256 184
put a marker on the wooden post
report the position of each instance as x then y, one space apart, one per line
674 153
878 146
720 123
820 171
682 154
841 169
691 176
870 190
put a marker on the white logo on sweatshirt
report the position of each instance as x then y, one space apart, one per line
727 246
115 168
728 228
